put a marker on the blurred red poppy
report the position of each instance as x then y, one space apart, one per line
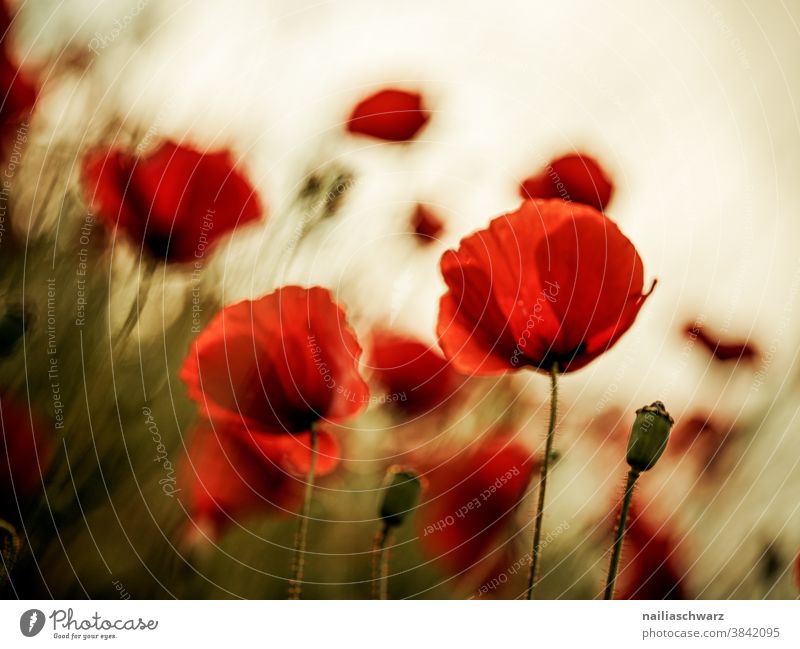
390 114
416 377
573 177
17 91
471 502
702 435
174 202
293 452
227 475
427 226
25 454
650 567
611 429
553 282
278 364
730 350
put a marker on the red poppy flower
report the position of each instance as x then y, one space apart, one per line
292 452
175 202
416 377
277 364
731 350
650 566
426 225
17 91
553 282
390 114
230 474
574 177
25 454
471 502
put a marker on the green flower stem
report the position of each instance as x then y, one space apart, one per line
380 563
147 271
301 536
536 550
613 567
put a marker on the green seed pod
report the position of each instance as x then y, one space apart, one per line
10 545
649 436
400 496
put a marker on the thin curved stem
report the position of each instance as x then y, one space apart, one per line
380 563
536 550
613 567
145 281
301 536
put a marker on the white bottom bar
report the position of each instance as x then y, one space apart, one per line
401 625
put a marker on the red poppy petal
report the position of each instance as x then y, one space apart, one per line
471 500
293 452
391 114
465 344
489 313
25 453
339 353
105 175
18 92
225 477
416 378
651 565
598 272
176 202
551 282
278 364
574 177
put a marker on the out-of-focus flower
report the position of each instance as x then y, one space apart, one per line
701 435
651 566
415 377
390 114
553 282
279 364
25 453
573 177
722 350
293 451
427 226
18 91
610 430
229 474
175 202
472 500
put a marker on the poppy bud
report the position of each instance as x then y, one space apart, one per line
649 436
10 545
400 497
